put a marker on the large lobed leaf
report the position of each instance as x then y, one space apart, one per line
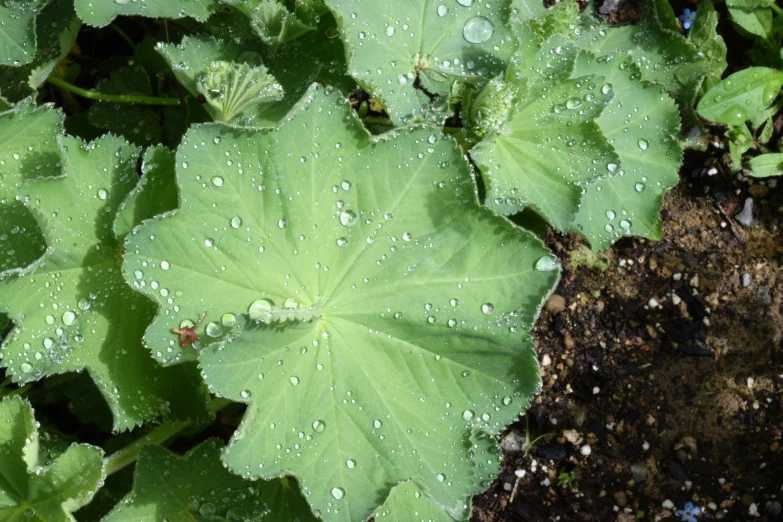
412 302
72 310
17 30
32 490
198 486
407 53
101 12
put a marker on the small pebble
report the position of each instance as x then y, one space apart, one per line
555 304
668 504
546 360
652 303
747 279
520 473
620 499
676 299
745 218
596 390
773 508
585 450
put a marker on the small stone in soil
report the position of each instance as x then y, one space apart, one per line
639 471
747 279
513 442
620 499
585 450
745 218
555 304
773 508
552 451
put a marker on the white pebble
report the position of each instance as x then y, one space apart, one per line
520 473
546 360
585 450
646 446
676 299
668 504
596 390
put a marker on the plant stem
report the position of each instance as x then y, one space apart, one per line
116 98
158 435
124 36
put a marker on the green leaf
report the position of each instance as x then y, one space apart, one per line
198 486
766 165
273 22
29 149
29 489
740 141
73 311
742 97
551 145
136 123
523 10
56 28
641 123
233 89
193 58
17 31
407 54
414 301
704 36
407 499
101 13
752 16
155 194
661 55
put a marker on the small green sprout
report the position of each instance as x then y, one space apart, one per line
566 479
233 88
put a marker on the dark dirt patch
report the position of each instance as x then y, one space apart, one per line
668 365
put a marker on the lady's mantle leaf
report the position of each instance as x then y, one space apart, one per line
414 302
17 31
73 311
101 13
551 144
28 149
641 123
407 499
741 97
31 491
408 53
233 88
198 486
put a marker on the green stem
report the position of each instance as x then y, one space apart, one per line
116 98
158 435
19 391
124 36
774 7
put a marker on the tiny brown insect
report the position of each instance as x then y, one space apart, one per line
188 335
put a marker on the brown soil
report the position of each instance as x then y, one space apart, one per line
679 401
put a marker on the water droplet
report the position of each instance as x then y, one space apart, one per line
442 10
258 309
610 215
245 394
214 329
467 415
341 242
607 88
236 222
377 423
319 426
350 463
282 223
347 218
465 373
164 265
390 30
402 79
477 30
506 400
574 103
639 187
207 509
83 304
49 319
452 323
69 318
465 3
208 242
338 493
26 367
228 320
260 376
217 181
643 144
441 477
346 185
294 381
546 263
103 193
625 225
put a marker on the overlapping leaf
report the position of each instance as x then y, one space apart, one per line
28 149
198 486
192 59
56 30
28 488
551 145
409 501
101 13
407 53
17 30
412 300
73 311
743 96
641 122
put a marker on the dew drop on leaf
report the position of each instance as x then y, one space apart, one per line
643 144
639 187
467 415
294 381
546 263
259 309
103 193
338 493
236 222
83 304
245 394
347 218
465 3
214 329
390 30
26 367
441 477
487 308
506 400
610 215
442 10
228 320
478 30
350 463
319 426
377 423
217 181
69 318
